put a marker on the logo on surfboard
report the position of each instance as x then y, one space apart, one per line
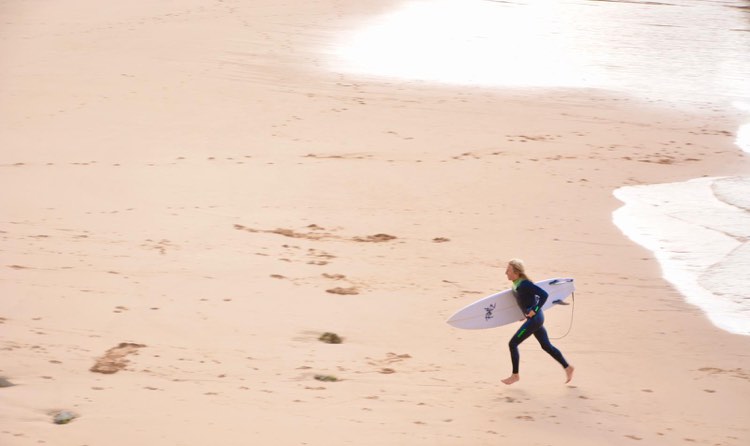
488 312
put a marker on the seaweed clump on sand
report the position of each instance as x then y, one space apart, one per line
64 417
330 338
327 378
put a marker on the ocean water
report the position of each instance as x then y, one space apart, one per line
699 230
686 53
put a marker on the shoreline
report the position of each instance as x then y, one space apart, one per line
240 184
707 273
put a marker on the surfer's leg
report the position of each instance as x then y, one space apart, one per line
515 357
543 338
526 330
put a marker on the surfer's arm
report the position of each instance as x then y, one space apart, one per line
529 294
543 295
526 299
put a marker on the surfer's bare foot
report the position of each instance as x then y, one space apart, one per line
569 373
511 379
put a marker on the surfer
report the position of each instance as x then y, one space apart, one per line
530 299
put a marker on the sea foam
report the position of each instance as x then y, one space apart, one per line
699 231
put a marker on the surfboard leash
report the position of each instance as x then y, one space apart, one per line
572 313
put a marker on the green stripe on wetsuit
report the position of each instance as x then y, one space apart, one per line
516 284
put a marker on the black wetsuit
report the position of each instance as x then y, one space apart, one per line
530 297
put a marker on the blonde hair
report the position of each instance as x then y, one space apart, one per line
518 267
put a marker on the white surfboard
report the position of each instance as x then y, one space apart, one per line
501 308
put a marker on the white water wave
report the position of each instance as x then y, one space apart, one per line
699 231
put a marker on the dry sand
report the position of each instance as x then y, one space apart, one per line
189 199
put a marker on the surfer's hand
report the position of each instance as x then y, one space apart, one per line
531 314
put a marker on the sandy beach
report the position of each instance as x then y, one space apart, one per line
190 199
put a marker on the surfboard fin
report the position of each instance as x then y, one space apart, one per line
559 281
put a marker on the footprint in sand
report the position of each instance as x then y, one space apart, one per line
316 254
289 232
352 289
391 358
160 246
317 233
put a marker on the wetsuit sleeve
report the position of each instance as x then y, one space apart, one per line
543 295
